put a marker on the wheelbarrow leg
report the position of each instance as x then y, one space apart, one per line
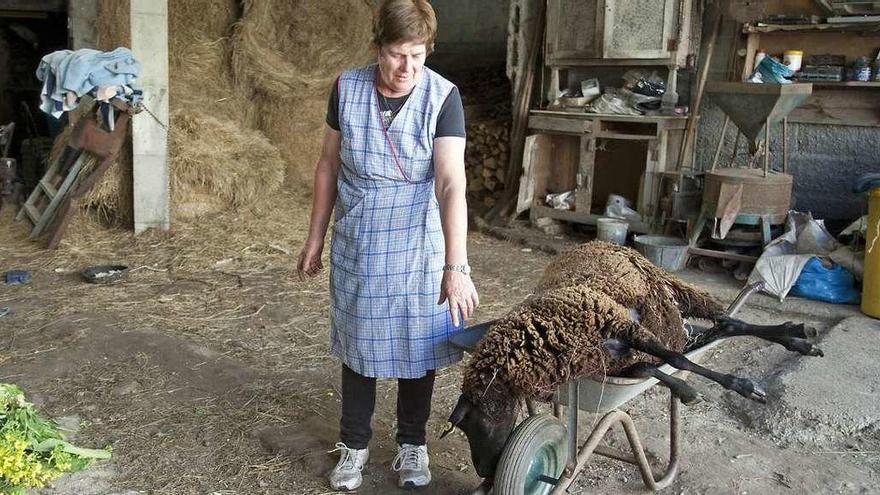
638 457
531 407
573 401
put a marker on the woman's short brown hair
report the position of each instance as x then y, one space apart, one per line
405 20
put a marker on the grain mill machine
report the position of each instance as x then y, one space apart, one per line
741 204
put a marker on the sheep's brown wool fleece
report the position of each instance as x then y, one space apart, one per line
582 299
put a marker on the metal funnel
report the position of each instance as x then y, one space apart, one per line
751 105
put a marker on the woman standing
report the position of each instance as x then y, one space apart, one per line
393 165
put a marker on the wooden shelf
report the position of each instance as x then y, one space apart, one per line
540 211
845 84
829 28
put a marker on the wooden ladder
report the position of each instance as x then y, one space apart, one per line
46 198
51 203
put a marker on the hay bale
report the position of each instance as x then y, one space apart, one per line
199 54
285 56
200 82
214 165
283 47
297 129
213 157
113 24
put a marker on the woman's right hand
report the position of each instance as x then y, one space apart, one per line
309 263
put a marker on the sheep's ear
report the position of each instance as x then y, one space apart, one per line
461 409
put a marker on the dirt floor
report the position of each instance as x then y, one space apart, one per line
208 372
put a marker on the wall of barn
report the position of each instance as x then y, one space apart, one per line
824 159
470 34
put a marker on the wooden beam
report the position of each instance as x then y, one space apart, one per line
722 254
584 218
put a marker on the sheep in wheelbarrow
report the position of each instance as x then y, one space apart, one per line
600 309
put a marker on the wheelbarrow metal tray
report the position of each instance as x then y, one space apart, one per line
600 395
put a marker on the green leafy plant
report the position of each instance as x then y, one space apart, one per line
32 448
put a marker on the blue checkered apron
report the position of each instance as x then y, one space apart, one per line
387 251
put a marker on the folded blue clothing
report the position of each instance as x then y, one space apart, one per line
80 72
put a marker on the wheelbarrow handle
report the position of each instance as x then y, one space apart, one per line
743 295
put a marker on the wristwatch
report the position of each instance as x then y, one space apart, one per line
466 269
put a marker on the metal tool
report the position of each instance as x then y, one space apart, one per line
763 196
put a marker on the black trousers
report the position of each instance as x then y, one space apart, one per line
359 401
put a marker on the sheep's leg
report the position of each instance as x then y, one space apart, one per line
795 344
789 335
742 386
731 327
687 394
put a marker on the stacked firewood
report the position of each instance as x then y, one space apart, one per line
486 158
486 97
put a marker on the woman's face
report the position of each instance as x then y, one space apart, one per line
400 65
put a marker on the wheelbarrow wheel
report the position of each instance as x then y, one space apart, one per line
535 453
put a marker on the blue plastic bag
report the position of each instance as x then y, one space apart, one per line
834 285
17 277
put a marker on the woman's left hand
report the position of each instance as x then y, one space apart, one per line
459 290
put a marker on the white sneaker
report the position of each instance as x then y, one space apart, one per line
347 473
412 465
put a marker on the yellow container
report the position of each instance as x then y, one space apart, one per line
871 282
793 59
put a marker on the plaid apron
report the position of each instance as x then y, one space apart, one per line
387 251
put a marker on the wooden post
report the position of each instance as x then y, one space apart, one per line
586 166
766 147
691 133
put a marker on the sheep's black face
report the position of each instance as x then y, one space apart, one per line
486 435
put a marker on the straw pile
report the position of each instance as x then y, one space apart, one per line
216 164
285 56
216 160
237 66
199 59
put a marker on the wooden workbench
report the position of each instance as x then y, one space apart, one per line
597 155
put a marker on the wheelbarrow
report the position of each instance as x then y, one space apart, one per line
541 455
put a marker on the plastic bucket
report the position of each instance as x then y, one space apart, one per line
669 253
612 230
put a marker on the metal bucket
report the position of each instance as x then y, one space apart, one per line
612 230
669 253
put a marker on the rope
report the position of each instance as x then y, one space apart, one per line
141 106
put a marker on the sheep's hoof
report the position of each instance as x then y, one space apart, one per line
811 350
802 346
749 390
691 399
